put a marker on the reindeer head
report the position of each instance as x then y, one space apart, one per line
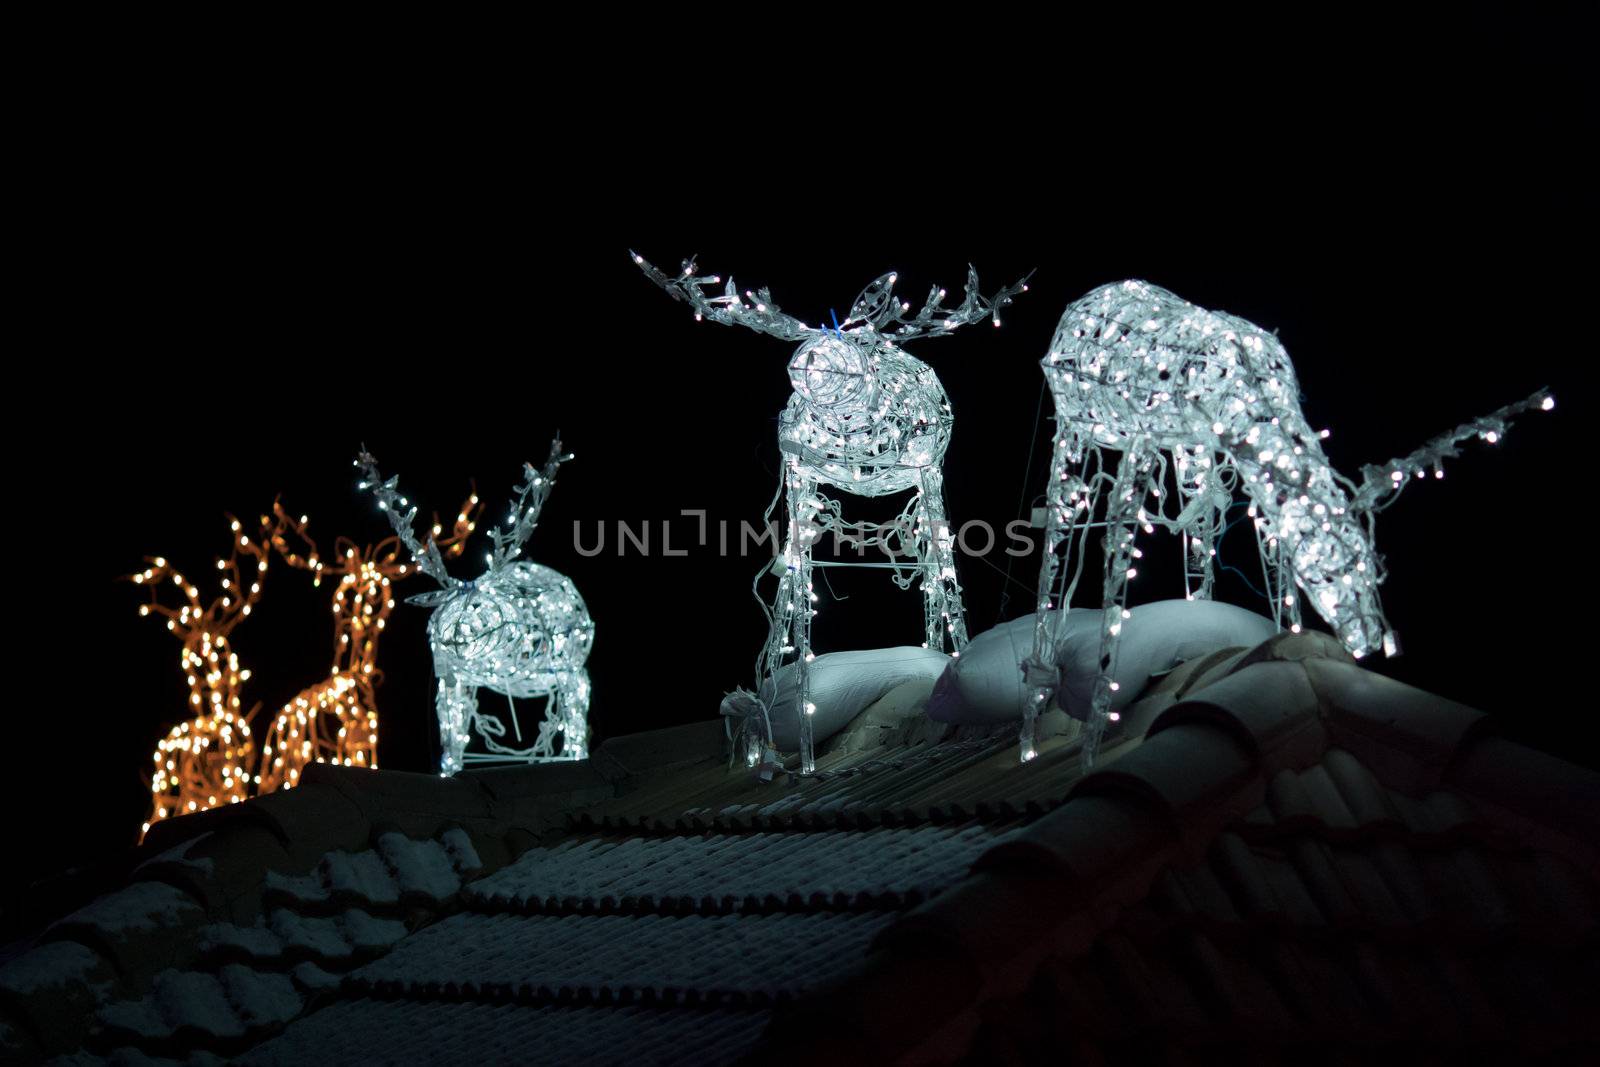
865 415
362 595
514 621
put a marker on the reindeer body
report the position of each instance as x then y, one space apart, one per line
1137 372
520 630
1134 368
523 632
867 419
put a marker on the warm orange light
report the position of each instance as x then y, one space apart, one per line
211 760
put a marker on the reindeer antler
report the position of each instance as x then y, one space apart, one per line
878 307
1381 483
730 309
530 498
312 560
235 601
391 502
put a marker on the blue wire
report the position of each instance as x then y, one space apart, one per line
1218 545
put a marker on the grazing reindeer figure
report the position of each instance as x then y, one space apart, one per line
519 629
207 761
865 418
336 720
1137 371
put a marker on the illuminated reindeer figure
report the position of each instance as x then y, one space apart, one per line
336 720
1135 370
520 629
211 759
207 761
867 419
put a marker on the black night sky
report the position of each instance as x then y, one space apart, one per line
235 314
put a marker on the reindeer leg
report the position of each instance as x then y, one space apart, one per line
1070 498
1123 514
802 487
1038 669
544 745
457 707
1278 580
1200 522
941 592
574 698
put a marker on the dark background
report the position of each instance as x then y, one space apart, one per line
236 304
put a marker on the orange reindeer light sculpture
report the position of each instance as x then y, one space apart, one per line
336 720
210 760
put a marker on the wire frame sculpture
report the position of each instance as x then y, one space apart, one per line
208 760
866 419
336 720
519 629
1165 412
211 759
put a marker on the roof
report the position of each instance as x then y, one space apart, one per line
1282 855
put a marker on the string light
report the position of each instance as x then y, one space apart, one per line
519 629
336 720
865 419
211 759
1140 373
208 760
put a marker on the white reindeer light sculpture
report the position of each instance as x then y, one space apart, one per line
867 419
1135 370
520 629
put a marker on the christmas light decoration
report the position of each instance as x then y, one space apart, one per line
336 720
211 759
1140 374
519 629
207 761
866 419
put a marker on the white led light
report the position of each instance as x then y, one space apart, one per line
1142 381
520 629
867 419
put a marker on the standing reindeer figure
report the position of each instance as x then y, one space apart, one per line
208 760
211 759
520 629
336 720
867 419
1135 370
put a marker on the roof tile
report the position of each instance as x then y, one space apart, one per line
1540 796
1270 705
1162 776
55 987
1097 840
236 858
1406 736
140 928
718 872
309 819
419 804
723 959
452 1032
